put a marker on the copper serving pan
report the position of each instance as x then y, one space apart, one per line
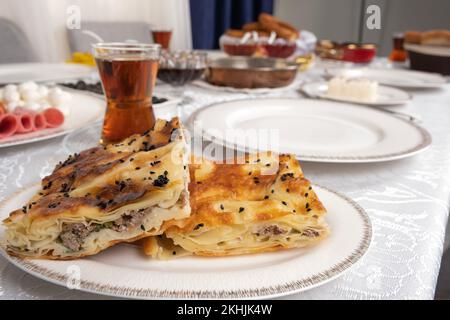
247 72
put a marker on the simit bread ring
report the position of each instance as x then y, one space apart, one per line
413 37
235 33
251 26
283 29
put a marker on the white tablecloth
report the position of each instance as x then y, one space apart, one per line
407 200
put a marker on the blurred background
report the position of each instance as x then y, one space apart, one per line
52 30
199 23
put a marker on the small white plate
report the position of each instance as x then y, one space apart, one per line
387 96
314 130
205 85
85 109
123 270
393 77
44 72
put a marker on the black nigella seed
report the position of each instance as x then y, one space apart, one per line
272 191
142 227
287 190
241 209
284 202
166 173
199 182
174 253
307 205
198 226
306 195
308 210
222 207
121 160
310 188
286 175
102 205
259 160
250 173
294 211
131 159
267 164
161 181
266 197
137 168
152 172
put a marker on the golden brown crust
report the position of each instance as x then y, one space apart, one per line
81 168
439 37
413 37
235 33
283 29
251 26
99 187
255 192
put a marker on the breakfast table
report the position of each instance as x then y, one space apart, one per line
407 200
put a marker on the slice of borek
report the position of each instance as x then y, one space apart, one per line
263 203
104 196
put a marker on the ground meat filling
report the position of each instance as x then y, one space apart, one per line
74 234
310 233
272 230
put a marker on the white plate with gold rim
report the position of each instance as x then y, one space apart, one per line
124 271
314 130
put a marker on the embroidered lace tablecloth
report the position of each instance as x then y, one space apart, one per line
407 200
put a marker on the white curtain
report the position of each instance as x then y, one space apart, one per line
44 21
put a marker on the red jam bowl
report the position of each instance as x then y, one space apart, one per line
279 50
359 53
240 49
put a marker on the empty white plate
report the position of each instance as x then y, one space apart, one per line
387 96
124 271
314 130
393 77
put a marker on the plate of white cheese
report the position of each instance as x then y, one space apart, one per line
356 90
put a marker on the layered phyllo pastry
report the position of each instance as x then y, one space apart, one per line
262 203
105 195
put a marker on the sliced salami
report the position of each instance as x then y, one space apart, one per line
25 123
39 121
9 124
36 120
53 117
